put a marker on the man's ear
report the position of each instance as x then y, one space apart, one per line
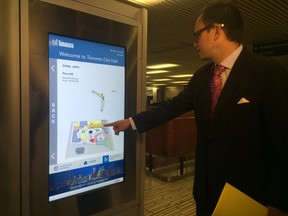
218 32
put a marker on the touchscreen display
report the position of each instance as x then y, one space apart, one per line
86 91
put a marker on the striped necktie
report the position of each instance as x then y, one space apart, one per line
216 86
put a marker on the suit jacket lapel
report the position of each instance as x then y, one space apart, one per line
236 76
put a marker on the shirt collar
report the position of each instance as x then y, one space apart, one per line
230 60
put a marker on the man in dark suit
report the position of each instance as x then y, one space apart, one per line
244 139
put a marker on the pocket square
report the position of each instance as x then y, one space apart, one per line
243 100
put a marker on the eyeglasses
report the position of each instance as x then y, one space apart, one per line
197 33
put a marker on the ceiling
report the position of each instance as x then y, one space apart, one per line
171 26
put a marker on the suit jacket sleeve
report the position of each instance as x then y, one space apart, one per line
164 111
170 109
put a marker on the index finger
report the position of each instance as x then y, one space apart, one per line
109 124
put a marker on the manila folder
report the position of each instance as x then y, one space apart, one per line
234 202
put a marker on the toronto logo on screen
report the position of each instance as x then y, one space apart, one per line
57 42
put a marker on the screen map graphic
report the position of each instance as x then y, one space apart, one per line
89 137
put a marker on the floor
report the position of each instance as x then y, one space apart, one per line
169 198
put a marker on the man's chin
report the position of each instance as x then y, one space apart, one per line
203 57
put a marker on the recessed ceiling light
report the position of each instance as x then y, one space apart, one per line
160 80
182 75
157 71
146 2
179 82
158 84
161 66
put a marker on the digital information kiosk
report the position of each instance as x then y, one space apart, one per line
81 66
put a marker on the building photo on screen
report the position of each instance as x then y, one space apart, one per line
86 91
